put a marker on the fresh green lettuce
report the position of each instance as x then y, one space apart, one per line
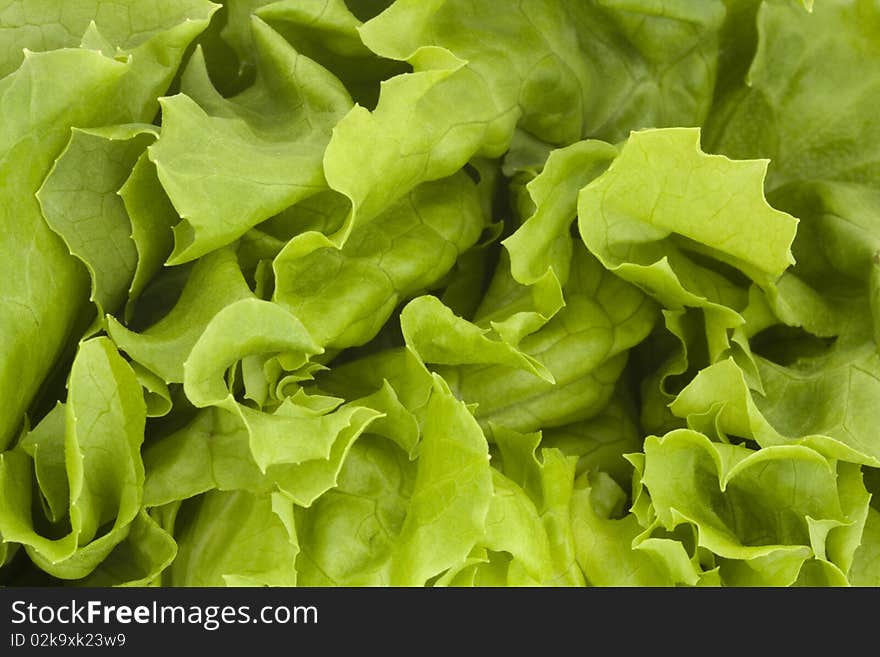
424 293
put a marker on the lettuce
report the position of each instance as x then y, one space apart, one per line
424 293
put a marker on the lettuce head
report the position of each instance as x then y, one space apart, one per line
408 293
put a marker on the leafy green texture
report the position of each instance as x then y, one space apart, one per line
255 548
428 293
579 355
44 295
46 290
93 468
93 221
207 141
214 283
344 296
788 525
